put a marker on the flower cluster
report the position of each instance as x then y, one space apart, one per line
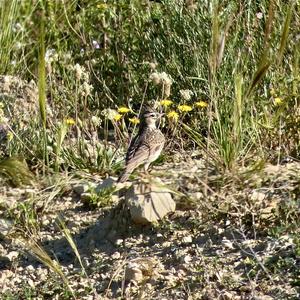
201 104
164 79
186 94
134 120
70 121
173 115
165 102
181 108
117 115
184 108
123 110
81 74
278 101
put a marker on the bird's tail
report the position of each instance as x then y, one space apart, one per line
126 173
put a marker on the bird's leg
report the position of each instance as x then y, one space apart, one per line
145 172
146 166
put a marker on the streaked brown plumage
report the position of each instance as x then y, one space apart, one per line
146 146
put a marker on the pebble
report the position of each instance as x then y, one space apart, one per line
187 239
116 255
12 255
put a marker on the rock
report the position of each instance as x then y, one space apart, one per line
227 296
149 203
12 255
5 226
187 259
107 183
139 268
119 242
5 262
116 255
187 239
227 243
81 188
263 297
86 197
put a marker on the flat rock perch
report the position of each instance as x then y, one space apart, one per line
149 202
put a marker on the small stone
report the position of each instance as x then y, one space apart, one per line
116 255
227 296
45 222
227 243
83 188
139 268
31 283
263 297
12 255
86 196
106 184
5 226
4 274
166 244
187 259
133 273
187 239
119 242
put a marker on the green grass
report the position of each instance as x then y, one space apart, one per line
229 54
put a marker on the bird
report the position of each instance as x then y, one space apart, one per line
146 146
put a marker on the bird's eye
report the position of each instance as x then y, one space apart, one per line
151 115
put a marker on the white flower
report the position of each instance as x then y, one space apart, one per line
50 55
96 45
109 113
3 120
67 56
18 45
186 94
152 65
166 79
96 120
18 27
86 89
78 71
259 15
155 78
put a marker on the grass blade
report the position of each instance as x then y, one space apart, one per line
285 32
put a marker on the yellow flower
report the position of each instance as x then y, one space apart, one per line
278 101
102 6
184 108
9 136
134 120
117 117
165 102
70 121
123 110
201 104
173 115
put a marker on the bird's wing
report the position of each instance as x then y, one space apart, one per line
135 144
140 156
138 152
